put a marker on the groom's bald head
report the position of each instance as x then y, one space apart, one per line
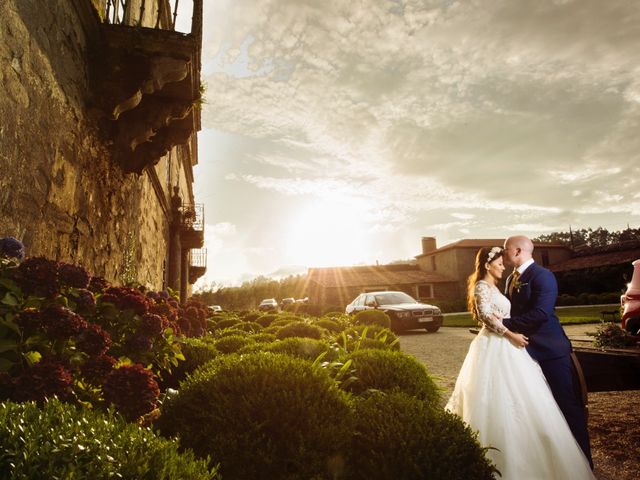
517 250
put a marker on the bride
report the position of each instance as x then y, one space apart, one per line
502 393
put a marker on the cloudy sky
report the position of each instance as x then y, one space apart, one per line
339 132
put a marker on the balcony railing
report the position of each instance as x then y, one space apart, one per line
198 258
197 264
159 14
192 217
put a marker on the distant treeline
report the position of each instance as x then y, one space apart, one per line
589 238
248 295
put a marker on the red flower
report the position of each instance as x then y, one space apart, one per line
38 276
93 340
85 300
151 324
127 299
96 369
98 284
44 379
139 343
133 390
60 322
73 275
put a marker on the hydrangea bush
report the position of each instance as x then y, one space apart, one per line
66 333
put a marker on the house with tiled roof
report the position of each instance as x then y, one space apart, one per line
457 259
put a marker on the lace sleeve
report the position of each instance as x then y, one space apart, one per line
486 312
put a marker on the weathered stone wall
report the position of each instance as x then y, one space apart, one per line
59 190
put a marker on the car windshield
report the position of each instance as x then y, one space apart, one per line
393 298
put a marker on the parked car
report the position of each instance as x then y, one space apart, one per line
215 308
268 304
287 301
405 312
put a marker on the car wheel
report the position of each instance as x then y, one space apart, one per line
432 329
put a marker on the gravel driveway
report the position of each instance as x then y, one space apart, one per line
614 417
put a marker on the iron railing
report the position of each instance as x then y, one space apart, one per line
198 258
192 216
158 14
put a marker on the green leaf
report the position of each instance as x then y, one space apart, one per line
32 357
10 299
10 285
7 344
8 322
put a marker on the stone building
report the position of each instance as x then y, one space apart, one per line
99 116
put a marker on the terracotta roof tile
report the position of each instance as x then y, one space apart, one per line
378 275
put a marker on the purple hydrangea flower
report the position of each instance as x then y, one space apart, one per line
11 248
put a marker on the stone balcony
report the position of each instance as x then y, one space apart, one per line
146 79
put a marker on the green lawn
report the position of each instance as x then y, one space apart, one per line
567 316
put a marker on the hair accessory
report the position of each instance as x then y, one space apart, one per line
492 254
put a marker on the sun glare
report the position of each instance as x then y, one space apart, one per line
327 233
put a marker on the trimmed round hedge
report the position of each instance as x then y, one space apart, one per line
299 329
328 324
60 441
390 371
372 317
398 436
196 352
308 348
267 319
262 415
233 343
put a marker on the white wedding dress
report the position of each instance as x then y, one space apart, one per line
502 393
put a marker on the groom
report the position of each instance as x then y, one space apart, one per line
533 290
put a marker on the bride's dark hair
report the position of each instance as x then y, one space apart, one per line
485 255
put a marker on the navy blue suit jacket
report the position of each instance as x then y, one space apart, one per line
533 313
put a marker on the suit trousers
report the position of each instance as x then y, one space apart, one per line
563 381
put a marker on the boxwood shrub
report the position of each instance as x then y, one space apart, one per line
372 317
262 416
392 371
308 348
266 319
251 316
299 329
60 441
264 337
196 352
328 324
226 323
233 343
398 436
251 327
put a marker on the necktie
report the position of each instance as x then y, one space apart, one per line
514 281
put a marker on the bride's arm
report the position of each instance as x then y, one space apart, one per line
490 318
484 306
